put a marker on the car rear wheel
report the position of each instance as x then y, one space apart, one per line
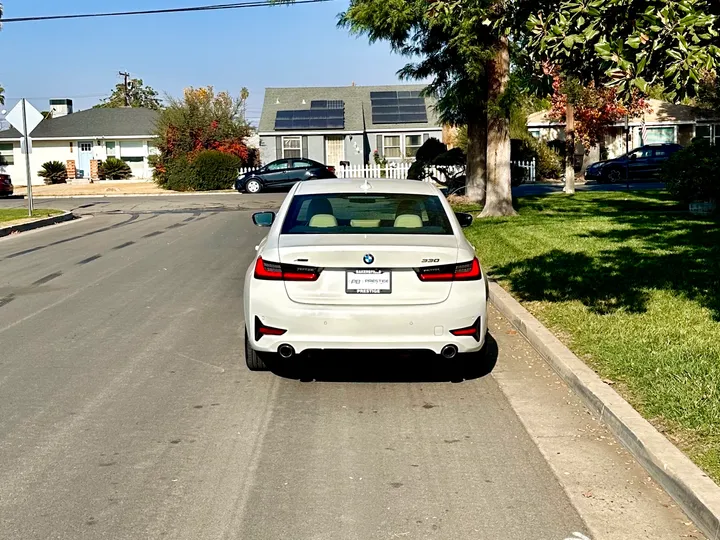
255 361
615 175
253 186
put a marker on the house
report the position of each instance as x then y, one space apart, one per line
345 125
665 122
79 138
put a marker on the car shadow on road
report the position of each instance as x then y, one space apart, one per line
389 366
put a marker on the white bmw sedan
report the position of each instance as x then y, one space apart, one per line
355 264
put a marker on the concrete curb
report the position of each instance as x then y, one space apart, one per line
45 222
684 481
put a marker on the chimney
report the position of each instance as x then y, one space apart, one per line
60 107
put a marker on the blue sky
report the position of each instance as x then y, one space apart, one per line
258 47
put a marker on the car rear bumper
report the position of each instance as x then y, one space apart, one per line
6 192
414 327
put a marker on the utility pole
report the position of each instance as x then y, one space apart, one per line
126 76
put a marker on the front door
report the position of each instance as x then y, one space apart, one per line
275 173
85 151
335 150
641 162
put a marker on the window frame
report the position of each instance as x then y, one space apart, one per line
7 157
398 146
416 147
285 149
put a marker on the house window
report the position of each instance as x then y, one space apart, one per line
391 146
7 155
708 132
110 148
412 145
659 135
291 147
535 133
85 146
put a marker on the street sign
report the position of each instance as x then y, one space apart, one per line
33 117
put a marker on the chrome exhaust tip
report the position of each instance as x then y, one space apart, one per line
286 351
449 352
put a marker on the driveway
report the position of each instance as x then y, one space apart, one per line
128 413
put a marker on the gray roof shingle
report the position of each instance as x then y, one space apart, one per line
126 122
358 113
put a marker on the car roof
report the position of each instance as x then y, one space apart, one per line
359 185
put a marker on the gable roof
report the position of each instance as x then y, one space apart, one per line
92 123
358 111
660 111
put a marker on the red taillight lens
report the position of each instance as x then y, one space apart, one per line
264 330
283 272
472 331
331 169
469 271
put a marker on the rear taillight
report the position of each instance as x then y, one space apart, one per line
331 169
265 330
471 331
468 271
284 272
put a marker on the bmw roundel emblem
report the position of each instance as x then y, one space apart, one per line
368 259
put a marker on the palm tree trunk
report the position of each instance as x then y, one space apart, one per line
498 201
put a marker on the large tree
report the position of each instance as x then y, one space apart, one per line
137 94
451 52
628 45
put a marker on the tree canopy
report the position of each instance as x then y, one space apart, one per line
138 95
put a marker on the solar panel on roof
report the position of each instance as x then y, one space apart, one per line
322 114
398 107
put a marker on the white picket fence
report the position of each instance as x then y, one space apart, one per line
399 171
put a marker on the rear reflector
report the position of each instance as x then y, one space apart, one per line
284 272
472 331
264 330
468 271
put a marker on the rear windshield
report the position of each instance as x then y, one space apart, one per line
346 213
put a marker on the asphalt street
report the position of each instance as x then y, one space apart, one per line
126 410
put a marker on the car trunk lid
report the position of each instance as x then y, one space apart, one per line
368 269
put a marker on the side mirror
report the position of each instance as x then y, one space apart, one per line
464 219
263 219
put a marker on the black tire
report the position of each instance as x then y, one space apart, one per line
255 361
250 186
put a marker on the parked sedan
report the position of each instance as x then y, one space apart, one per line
380 266
643 162
6 186
283 173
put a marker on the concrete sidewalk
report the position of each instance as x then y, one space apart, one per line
98 188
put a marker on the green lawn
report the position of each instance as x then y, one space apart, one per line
12 214
631 284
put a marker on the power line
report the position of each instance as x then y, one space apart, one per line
235 5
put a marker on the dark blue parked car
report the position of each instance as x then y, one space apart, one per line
283 173
642 163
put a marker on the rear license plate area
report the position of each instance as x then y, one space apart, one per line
368 281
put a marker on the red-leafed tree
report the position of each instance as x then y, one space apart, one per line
595 109
203 121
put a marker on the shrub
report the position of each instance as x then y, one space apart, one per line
179 175
215 170
549 162
692 173
54 172
210 170
114 169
